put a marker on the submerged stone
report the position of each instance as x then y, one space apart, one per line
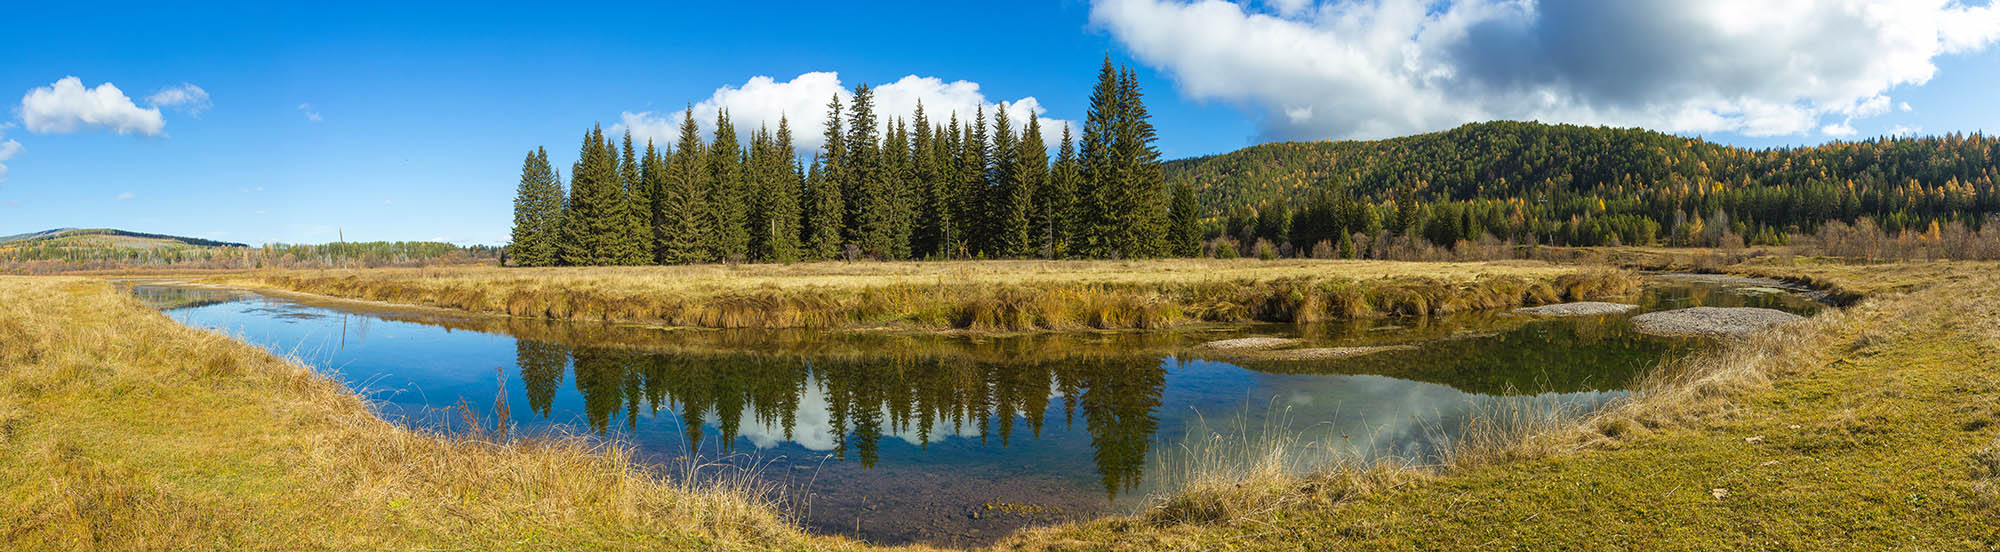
1712 321
1584 308
1250 343
1324 353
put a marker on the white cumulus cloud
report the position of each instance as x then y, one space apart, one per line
187 98
310 113
1379 68
803 101
66 106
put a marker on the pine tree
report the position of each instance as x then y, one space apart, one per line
758 179
687 214
1055 202
1027 172
593 219
823 219
781 220
999 181
634 243
537 213
730 237
1097 191
1184 231
653 177
974 222
930 218
1143 193
826 212
896 184
871 213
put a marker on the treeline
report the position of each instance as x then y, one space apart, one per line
914 188
67 254
1529 183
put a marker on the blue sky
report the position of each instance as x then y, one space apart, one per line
410 123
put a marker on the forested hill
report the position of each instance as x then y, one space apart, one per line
67 249
109 236
1586 171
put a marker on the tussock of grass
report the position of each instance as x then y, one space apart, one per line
988 295
121 429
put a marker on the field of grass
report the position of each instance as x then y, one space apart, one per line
986 295
1875 427
121 429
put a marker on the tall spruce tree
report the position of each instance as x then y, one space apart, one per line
687 214
1097 191
826 213
757 183
929 218
1184 230
782 217
593 219
950 184
1143 186
1056 202
896 184
537 213
634 243
999 185
871 223
653 177
823 220
973 215
1027 172
730 238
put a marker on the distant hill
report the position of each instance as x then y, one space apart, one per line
1541 163
106 237
71 249
1574 185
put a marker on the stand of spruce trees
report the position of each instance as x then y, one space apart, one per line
912 188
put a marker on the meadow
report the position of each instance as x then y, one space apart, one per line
1871 426
980 295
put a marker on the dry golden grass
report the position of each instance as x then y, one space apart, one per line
986 295
1926 320
123 430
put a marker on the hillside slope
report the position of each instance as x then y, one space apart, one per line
107 236
1541 162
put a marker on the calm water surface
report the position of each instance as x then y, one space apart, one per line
954 439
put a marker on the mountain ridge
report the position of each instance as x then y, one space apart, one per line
57 233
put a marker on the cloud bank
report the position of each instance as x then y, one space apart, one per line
1379 68
67 106
761 100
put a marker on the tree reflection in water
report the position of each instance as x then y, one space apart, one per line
865 398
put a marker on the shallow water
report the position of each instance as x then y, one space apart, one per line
955 439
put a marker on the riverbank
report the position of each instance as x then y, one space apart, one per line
1873 427
121 429
976 296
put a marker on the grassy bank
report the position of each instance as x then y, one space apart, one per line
121 429
987 295
1869 428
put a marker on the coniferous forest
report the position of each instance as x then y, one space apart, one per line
1531 183
884 186
916 187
